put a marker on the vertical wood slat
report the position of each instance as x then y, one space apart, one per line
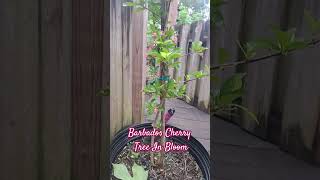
105 104
139 21
260 76
87 55
55 89
183 44
116 65
193 62
203 85
172 20
127 66
281 91
19 92
301 105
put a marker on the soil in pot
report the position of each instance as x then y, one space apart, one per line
178 165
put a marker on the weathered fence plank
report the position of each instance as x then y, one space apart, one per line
51 72
193 62
19 92
55 90
260 76
300 111
127 60
139 46
183 44
105 104
87 56
282 91
115 67
203 85
127 68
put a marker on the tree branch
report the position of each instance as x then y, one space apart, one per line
236 63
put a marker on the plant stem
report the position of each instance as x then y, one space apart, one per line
163 122
153 137
236 63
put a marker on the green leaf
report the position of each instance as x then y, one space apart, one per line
182 90
129 4
197 47
153 53
234 83
314 24
188 77
120 171
282 42
138 9
223 55
297 45
228 98
265 44
250 50
218 3
216 15
164 55
149 89
104 92
246 110
169 33
176 64
134 155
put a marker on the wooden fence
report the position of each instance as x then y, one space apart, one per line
55 57
284 91
127 68
198 90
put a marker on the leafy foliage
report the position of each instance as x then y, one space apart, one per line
250 50
230 90
163 50
192 11
120 171
246 110
282 41
216 14
104 92
314 24
197 47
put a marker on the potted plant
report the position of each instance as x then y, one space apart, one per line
162 55
164 162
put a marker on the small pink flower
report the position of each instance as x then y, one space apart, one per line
155 110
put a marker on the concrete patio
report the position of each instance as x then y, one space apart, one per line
188 117
239 155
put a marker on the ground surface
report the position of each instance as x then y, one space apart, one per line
239 155
188 117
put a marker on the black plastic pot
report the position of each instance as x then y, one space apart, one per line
196 149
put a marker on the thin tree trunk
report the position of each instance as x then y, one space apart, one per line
169 11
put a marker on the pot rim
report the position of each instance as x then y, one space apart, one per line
196 149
